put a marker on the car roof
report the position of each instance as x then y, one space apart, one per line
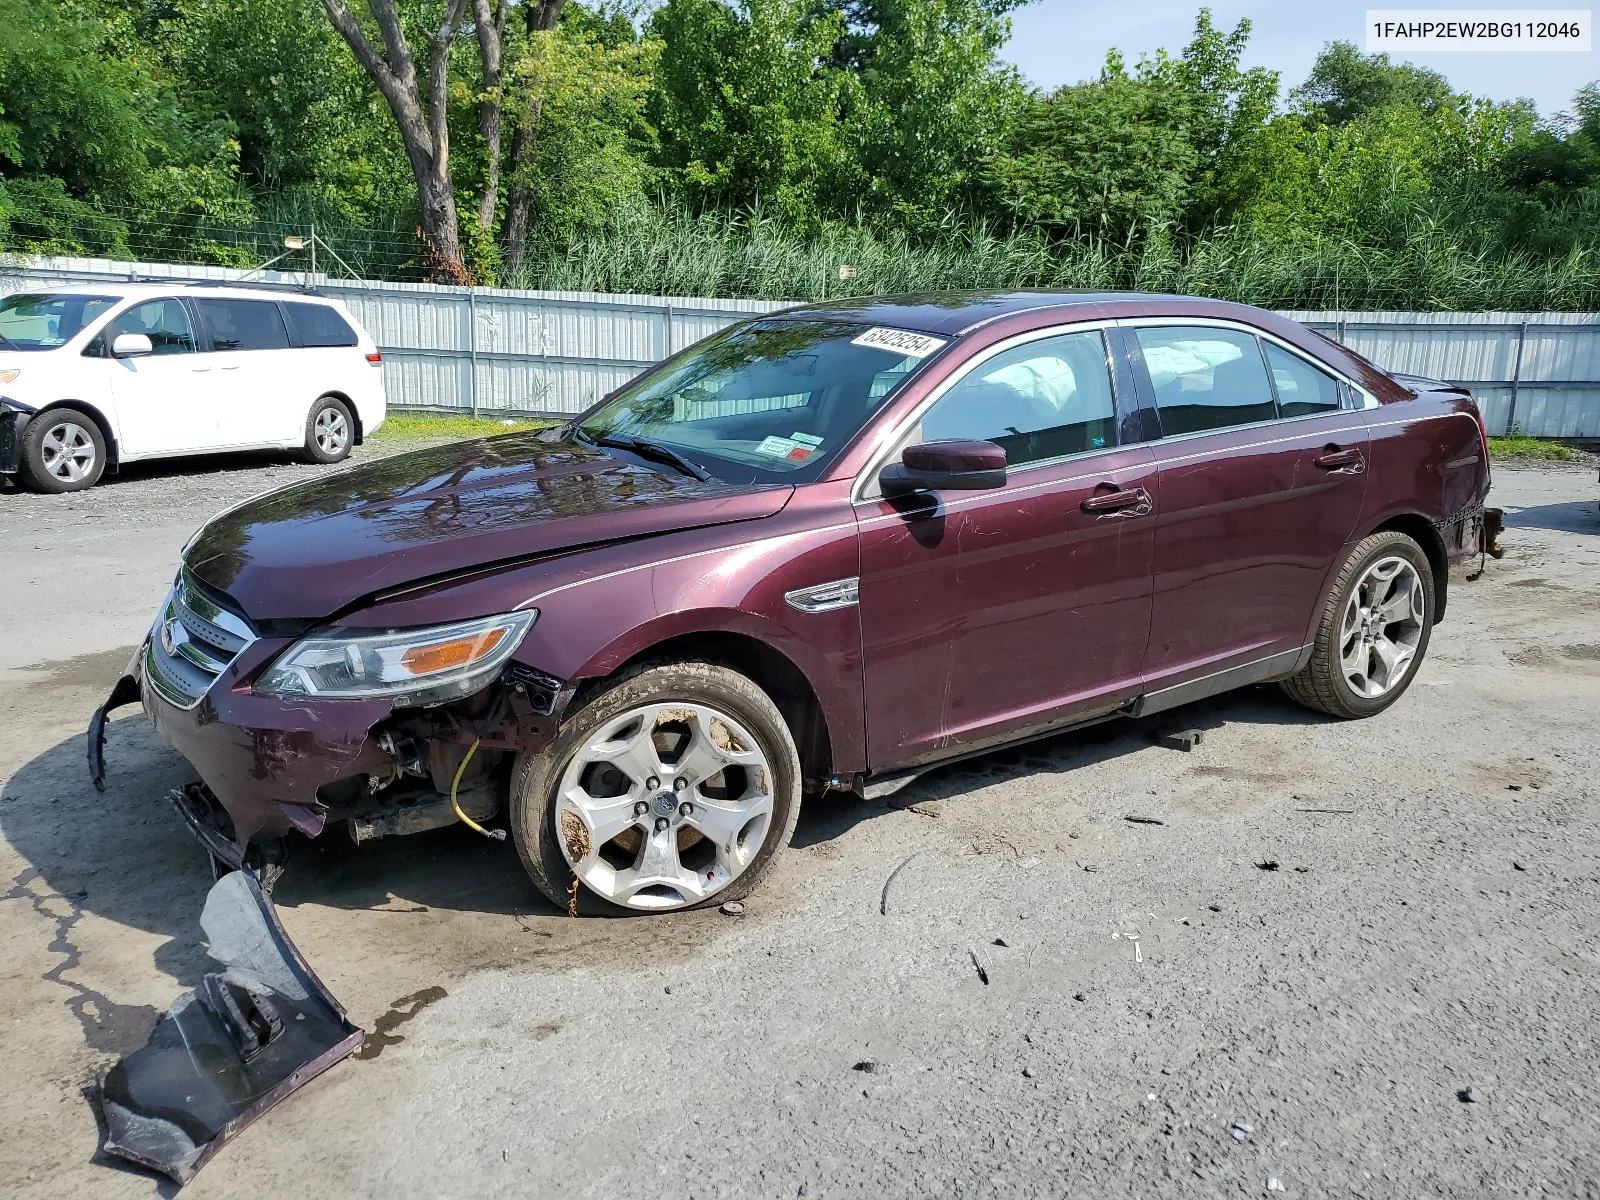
178 287
956 313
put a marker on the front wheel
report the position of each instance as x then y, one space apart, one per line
673 788
330 431
1373 632
62 451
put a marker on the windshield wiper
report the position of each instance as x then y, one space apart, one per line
655 450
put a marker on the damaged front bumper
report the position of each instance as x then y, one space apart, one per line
250 1034
273 761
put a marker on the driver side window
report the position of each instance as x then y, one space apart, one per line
1045 399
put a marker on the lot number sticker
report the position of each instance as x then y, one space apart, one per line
901 341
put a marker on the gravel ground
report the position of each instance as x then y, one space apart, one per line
1334 933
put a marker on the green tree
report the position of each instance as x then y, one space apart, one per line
933 103
747 110
1345 84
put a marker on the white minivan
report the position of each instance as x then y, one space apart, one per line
96 376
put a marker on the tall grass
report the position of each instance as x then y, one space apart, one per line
1423 267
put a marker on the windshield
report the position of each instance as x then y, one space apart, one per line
43 322
768 402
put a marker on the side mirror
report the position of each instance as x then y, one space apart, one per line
131 345
966 466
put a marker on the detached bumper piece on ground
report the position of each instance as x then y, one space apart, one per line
250 1034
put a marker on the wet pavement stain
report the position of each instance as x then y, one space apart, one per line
402 1010
109 1027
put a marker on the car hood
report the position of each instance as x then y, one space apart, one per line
308 551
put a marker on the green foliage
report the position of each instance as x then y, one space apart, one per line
592 84
929 106
754 147
1517 446
745 108
1345 84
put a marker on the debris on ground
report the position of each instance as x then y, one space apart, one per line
1242 1130
1027 1072
1180 739
1001 942
1274 1184
1138 820
732 909
1080 997
1516 866
250 1034
1468 1095
1339 812
883 898
869 1067
1270 865
982 965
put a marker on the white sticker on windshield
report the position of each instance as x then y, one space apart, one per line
901 341
806 439
775 447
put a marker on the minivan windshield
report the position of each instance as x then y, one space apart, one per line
43 321
768 402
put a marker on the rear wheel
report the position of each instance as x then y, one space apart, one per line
673 788
1374 630
62 451
330 431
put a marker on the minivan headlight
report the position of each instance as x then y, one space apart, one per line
410 666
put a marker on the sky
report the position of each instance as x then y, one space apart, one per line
1065 41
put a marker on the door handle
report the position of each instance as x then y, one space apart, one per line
1131 502
1335 459
199 370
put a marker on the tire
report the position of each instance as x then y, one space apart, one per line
330 431
62 451
1350 674
684 718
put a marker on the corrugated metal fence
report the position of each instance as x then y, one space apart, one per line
497 351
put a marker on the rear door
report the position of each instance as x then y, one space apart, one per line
988 615
1262 476
164 403
256 391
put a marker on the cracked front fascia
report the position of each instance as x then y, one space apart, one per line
266 757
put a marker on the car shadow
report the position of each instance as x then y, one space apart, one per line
833 814
1580 516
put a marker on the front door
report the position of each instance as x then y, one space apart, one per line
164 397
989 615
1262 472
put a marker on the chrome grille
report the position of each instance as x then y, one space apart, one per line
194 639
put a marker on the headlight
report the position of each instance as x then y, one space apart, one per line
410 666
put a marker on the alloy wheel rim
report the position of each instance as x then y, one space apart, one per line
664 805
1382 627
331 431
68 452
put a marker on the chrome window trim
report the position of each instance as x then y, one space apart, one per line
891 440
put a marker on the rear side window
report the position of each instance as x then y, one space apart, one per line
1303 391
1206 378
1041 400
319 325
244 324
164 322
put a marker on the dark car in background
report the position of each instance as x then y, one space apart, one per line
827 548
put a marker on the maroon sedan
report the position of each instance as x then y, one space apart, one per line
827 548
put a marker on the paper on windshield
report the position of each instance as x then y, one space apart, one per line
900 341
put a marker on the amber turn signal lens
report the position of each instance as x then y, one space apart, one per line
441 656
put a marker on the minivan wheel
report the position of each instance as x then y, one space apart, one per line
1373 632
672 788
62 451
330 431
